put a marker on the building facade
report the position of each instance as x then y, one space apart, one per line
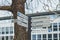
6 30
46 33
6 26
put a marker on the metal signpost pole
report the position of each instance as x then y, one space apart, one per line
29 28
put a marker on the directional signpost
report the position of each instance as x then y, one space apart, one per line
40 21
22 19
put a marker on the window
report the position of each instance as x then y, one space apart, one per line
44 27
50 28
11 37
59 26
55 37
49 39
39 37
12 20
3 30
59 36
2 38
54 26
6 37
54 29
7 30
49 36
0 30
33 37
11 30
44 36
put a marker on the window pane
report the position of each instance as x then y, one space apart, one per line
59 35
49 36
44 39
44 35
54 35
50 28
11 37
59 38
6 37
59 24
55 39
59 28
38 39
54 29
3 31
54 24
33 37
0 30
44 27
7 30
50 25
38 36
49 39
2 38
11 30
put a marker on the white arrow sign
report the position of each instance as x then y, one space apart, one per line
41 21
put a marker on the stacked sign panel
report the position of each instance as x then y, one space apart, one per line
22 19
40 21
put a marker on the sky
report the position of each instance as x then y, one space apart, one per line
5 2
37 6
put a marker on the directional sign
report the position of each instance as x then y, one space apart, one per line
40 21
22 19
